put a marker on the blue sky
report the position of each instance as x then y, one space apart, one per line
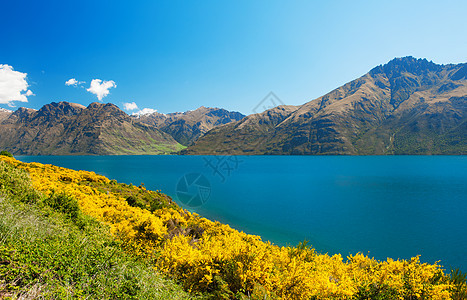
179 55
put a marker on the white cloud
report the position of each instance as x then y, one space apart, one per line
71 81
74 82
144 111
13 86
101 88
130 106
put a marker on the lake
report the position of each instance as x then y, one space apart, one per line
384 206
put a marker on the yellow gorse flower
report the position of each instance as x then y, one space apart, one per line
221 258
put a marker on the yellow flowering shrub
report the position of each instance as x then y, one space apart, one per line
207 256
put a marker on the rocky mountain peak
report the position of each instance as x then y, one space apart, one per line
95 105
407 106
100 111
22 114
409 64
60 109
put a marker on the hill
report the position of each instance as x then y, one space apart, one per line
51 250
68 128
188 126
407 106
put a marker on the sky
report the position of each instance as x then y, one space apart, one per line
173 56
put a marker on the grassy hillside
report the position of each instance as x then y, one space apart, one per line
151 234
50 250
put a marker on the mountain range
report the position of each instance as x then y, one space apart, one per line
407 106
68 128
188 126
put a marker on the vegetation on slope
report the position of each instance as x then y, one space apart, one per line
217 261
49 249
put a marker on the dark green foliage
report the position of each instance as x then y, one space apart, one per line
220 289
129 287
459 280
6 153
131 200
155 204
65 204
193 230
135 202
303 245
376 292
135 196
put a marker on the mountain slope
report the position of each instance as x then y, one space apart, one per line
187 127
4 114
408 106
68 128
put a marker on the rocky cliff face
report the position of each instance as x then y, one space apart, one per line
68 128
407 106
187 127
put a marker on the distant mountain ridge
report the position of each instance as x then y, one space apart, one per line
407 106
188 126
69 128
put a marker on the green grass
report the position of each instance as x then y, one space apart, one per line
50 250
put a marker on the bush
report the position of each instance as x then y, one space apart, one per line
6 153
65 204
459 282
16 183
135 202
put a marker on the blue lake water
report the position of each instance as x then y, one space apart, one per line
386 206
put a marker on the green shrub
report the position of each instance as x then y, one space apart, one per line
131 200
16 183
135 202
67 205
459 280
6 153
